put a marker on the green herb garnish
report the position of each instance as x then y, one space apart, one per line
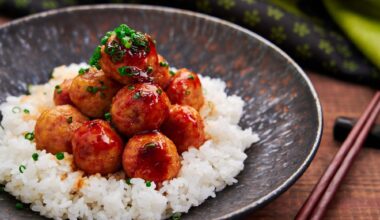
92 89
94 60
83 71
60 156
35 156
125 71
164 64
19 206
128 181
176 216
58 89
159 91
108 116
137 95
131 87
172 73
190 77
187 92
150 145
26 111
149 69
148 183
29 136
69 119
22 168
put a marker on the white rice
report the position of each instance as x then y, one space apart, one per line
56 191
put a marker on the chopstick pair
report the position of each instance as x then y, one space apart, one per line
316 204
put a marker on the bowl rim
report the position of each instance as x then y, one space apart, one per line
305 164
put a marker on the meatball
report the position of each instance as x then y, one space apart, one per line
184 127
61 93
55 128
97 148
186 89
139 108
151 156
131 65
161 76
92 92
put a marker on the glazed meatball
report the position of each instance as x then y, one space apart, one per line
61 93
128 66
162 76
186 89
138 108
55 128
184 127
152 157
92 92
97 148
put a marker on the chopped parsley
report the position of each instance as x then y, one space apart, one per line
22 168
29 136
35 156
108 116
16 109
58 89
69 119
26 111
164 64
60 156
83 71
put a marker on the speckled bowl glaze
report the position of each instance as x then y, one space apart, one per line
281 104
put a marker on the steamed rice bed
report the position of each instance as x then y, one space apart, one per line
56 191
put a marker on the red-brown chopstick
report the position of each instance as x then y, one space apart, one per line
327 185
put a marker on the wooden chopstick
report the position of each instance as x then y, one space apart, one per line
316 204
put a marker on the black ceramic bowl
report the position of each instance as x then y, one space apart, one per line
281 104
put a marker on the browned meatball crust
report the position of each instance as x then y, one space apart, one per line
92 92
151 156
137 108
186 89
55 128
184 127
97 148
62 94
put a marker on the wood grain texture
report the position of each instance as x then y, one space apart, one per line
359 196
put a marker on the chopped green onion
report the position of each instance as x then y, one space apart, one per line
190 77
83 71
69 119
128 181
176 216
29 136
102 95
35 156
148 183
131 87
19 206
149 69
94 60
60 156
125 71
172 72
108 116
137 95
16 109
58 89
187 92
159 91
22 168
92 89
164 64
126 41
26 111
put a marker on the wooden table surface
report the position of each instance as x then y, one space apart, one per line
359 196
